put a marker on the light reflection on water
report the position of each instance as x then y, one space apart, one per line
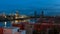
8 24
2 24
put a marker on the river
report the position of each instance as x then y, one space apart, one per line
8 24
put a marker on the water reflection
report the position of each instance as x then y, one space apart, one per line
5 24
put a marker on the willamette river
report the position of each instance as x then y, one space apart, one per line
2 24
8 24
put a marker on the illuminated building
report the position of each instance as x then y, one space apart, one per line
4 15
17 16
24 20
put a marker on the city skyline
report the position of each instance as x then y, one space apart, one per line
27 6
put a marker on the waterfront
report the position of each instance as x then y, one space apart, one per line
8 24
29 16
29 24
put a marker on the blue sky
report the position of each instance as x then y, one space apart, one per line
26 6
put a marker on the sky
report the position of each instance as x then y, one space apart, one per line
29 6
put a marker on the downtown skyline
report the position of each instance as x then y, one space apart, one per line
28 6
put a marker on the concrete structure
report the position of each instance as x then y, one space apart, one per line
29 28
10 30
22 31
